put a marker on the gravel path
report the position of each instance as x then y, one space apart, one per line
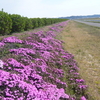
89 23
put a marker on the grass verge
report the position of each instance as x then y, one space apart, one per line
83 41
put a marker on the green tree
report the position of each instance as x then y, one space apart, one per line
5 23
34 23
18 23
40 22
28 23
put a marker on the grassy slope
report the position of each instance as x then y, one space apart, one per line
84 42
22 36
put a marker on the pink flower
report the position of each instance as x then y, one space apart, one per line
1 44
1 64
83 98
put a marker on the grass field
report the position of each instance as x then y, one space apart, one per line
83 41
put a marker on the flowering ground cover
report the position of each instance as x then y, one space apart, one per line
38 68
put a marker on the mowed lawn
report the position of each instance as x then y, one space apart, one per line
83 41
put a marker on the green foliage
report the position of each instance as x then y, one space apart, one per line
28 23
45 21
3 52
34 23
40 22
10 23
5 23
18 23
18 45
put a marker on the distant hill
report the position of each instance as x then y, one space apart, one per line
80 17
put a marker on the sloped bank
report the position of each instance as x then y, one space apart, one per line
38 68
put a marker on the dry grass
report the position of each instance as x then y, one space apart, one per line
84 42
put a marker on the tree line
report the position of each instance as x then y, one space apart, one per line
10 23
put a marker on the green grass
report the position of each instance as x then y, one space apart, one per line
92 30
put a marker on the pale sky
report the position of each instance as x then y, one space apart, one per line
50 8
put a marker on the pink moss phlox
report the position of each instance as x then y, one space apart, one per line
58 72
50 34
41 64
22 51
48 91
14 62
24 78
1 44
82 86
79 80
12 39
83 98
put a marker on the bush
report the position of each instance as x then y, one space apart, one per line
40 22
5 23
18 23
28 23
34 22
10 23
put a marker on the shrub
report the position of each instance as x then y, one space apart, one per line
5 23
34 22
18 23
28 23
40 22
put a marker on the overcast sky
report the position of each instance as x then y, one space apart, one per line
50 8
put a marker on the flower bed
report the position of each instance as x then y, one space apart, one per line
39 68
